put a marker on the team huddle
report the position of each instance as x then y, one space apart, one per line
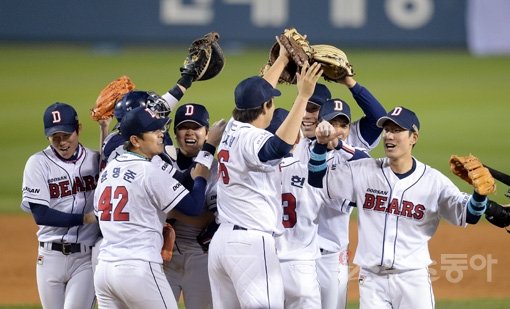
258 206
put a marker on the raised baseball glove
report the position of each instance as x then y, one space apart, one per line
497 214
334 62
471 170
205 58
109 96
168 242
299 51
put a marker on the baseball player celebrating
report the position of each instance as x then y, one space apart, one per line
187 271
298 246
400 202
244 269
333 228
132 200
58 187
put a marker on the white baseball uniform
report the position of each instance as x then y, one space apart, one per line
298 246
333 230
132 199
187 271
396 219
64 269
244 269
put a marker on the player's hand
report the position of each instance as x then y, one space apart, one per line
326 133
283 53
307 79
200 170
215 132
348 80
89 218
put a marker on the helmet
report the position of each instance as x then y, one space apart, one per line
157 104
134 99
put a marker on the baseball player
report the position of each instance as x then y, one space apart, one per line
187 271
362 134
244 269
132 200
58 187
400 202
113 144
298 246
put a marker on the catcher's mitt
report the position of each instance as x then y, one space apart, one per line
109 96
334 62
168 242
205 58
497 214
299 51
471 170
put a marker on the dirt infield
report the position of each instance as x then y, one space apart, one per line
470 263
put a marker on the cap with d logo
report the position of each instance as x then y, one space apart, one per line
191 112
60 117
403 117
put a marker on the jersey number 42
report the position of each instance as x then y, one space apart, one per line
105 205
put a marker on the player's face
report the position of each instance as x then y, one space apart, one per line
310 120
152 143
190 137
398 142
65 144
342 127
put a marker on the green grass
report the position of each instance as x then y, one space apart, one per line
462 101
447 304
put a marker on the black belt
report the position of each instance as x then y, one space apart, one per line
66 249
239 228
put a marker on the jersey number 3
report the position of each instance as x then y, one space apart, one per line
105 204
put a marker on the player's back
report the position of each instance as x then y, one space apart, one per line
132 198
248 190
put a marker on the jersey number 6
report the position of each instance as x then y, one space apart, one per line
105 204
223 156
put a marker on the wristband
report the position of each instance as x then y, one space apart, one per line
205 158
317 168
480 207
186 80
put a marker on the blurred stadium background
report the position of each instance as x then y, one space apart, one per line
447 60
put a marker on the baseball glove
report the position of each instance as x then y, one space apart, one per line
205 236
109 96
470 169
334 62
205 57
299 51
497 214
168 242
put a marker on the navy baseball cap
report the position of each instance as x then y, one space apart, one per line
60 117
191 112
403 117
333 108
279 116
253 92
141 120
320 94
